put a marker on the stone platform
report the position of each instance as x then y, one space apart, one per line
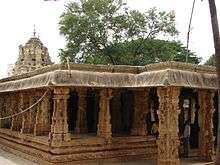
81 149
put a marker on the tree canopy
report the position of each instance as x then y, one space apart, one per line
107 31
210 61
142 52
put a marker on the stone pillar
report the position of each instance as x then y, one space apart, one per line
33 111
81 122
17 120
141 108
168 141
24 103
2 110
104 124
59 126
42 125
206 140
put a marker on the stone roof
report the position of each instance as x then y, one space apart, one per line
109 76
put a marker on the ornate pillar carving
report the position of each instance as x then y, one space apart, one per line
206 140
5 105
59 127
9 112
104 124
81 122
24 103
2 114
17 120
42 125
168 141
141 108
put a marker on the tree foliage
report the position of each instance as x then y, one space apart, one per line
211 61
142 52
97 28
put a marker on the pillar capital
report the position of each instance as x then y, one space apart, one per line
106 94
61 90
81 91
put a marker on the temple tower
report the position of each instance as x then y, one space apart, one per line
32 55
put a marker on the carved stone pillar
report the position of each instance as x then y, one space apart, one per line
42 125
24 103
168 141
33 111
2 110
141 108
59 127
206 140
17 120
81 122
104 124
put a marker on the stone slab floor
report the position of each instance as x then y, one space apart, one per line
11 159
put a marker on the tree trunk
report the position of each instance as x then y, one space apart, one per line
216 38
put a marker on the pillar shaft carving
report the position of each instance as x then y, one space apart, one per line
59 127
81 122
17 120
206 141
2 112
24 103
104 124
141 108
168 141
42 125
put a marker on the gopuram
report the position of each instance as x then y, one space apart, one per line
76 113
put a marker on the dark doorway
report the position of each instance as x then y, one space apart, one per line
152 116
92 111
188 117
122 109
72 111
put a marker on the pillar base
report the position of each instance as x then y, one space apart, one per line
57 139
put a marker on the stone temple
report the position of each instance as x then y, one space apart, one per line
77 113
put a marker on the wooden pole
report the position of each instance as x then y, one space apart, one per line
215 29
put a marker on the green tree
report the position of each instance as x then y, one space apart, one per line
210 61
91 27
142 52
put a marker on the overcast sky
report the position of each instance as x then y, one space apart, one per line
18 17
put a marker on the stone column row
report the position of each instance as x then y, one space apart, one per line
59 128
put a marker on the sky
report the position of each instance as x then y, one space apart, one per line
19 16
